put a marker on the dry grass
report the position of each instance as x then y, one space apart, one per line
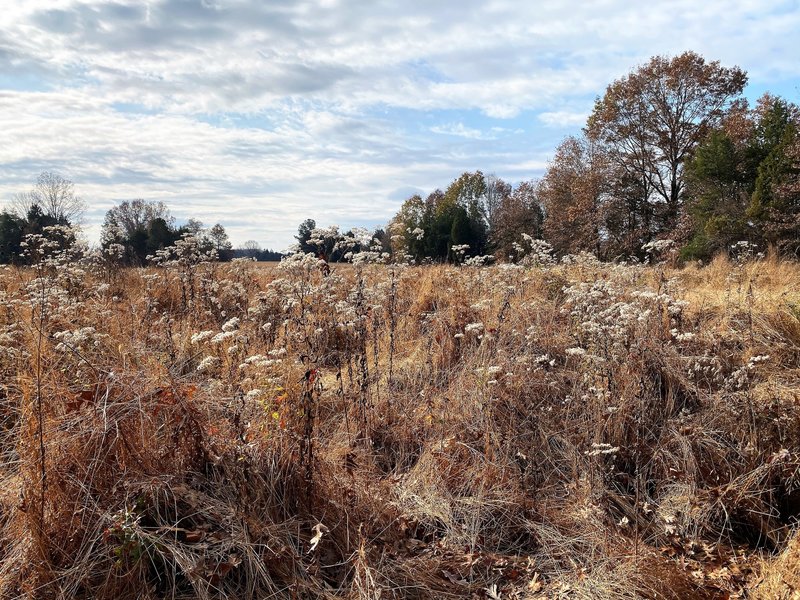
581 431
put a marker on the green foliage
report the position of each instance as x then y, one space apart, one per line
721 186
304 235
136 230
773 135
737 181
218 239
428 229
14 229
11 231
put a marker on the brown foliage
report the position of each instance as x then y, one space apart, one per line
572 193
588 431
652 119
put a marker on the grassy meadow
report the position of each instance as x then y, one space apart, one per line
575 430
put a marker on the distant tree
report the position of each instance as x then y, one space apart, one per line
252 249
325 243
55 196
785 225
304 235
140 227
775 204
429 228
720 192
572 193
270 255
133 215
382 239
652 120
774 134
406 229
160 235
249 249
516 213
12 228
497 191
461 232
194 227
220 242
469 192
58 231
425 236
737 180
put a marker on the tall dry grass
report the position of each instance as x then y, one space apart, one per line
565 431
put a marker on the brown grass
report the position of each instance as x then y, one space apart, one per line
570 432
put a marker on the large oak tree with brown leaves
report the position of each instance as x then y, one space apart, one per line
651 120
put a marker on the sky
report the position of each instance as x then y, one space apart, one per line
259 115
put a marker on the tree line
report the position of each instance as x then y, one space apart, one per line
476 214
133 232
671 154
138 230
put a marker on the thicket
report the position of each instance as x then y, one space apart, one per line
550 429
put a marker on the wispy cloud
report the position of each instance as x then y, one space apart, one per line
563 118
460 130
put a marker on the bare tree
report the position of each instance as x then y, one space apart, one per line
218 238
133 215
250 248
194 226
54 195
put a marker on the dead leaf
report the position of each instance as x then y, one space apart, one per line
452 577
319 528
192 537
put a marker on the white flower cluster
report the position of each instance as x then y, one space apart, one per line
473 327
77 339
741 377
187 252
743 251
582 259
207 364
202 336
262 361
658 247
231 325
534 252
11 337
706 369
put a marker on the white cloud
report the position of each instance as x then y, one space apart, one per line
263 114
461 130
563 118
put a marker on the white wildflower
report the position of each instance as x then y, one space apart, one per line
208 363
231 324
202 336
476 327
575 351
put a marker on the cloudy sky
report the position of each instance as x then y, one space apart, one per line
261 114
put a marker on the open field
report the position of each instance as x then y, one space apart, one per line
231 431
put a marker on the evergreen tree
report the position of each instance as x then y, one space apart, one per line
304 235
11 232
